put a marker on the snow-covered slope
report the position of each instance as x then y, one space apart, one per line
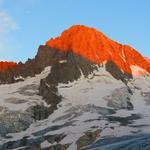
97 107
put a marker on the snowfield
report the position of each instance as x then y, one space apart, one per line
98 102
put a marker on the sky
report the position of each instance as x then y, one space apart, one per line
26 24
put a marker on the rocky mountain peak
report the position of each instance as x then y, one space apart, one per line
98 48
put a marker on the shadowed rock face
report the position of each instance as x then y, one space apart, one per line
112 68
66 66
70 69
45 57
87 139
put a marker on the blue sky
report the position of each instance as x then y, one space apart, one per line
26 24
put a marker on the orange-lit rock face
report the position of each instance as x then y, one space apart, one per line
95 46
6 65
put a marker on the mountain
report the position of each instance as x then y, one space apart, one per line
98 48
91 46
80 88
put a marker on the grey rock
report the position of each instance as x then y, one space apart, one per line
120 99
